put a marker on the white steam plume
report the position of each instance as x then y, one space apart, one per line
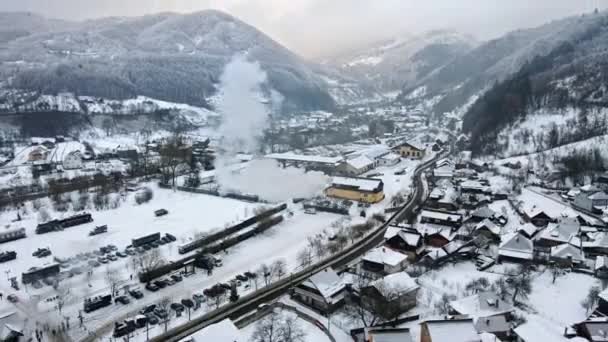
244 119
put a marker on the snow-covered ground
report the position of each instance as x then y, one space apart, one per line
189 214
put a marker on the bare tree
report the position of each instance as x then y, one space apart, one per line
113 280
165 304
592 298
148 261
279 268
276 327
266 272
521 284
107 126
556 271
304 257
63 295
173 154
443 305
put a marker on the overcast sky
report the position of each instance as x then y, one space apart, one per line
317 27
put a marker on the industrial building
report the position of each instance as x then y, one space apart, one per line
368 190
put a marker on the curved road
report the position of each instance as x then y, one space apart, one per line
251 301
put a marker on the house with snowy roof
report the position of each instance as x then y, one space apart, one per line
410 150
593 329
567 255
480 214
488 229
537 216
72 161
444 218
383 260
368 190
387 334
558 233
600 268
436 235
498 326
535 329
324 291
223 331
356 166
516 247
594 202
449 330
481 305
602 181
405 240
528 230
393 294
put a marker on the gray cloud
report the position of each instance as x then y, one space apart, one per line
317 27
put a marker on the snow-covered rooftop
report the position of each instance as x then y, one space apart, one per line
224 331
461 330
360 162
440 215
399 282
327 282
363 184
383 255
305 158
483 304
516 246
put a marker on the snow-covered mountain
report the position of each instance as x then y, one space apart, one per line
397 63
559 80
470 75
171 57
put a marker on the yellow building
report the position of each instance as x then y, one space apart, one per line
409 150
368 190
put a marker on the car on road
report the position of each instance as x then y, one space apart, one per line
137 294
42 252
161 212
122 300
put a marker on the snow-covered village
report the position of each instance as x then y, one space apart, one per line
176 174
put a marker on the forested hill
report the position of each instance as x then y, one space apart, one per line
571 76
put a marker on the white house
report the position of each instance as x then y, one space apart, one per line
72 161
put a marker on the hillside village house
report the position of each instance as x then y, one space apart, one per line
410 150
395 293
72 161
38 153
405 240
384 334
451 330
441 217
516 248
489 312
367 190
382 261
324 291
595 202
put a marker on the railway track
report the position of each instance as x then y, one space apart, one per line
251 301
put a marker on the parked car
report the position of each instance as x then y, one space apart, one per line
42 252
161 283
161 313
152 287
199 298
103 260
122 300
177 277
188 303
148 309
121 254
137 294
177 307
161 212
152 319
171 237
12 298
112 257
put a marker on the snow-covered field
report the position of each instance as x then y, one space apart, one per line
188 214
